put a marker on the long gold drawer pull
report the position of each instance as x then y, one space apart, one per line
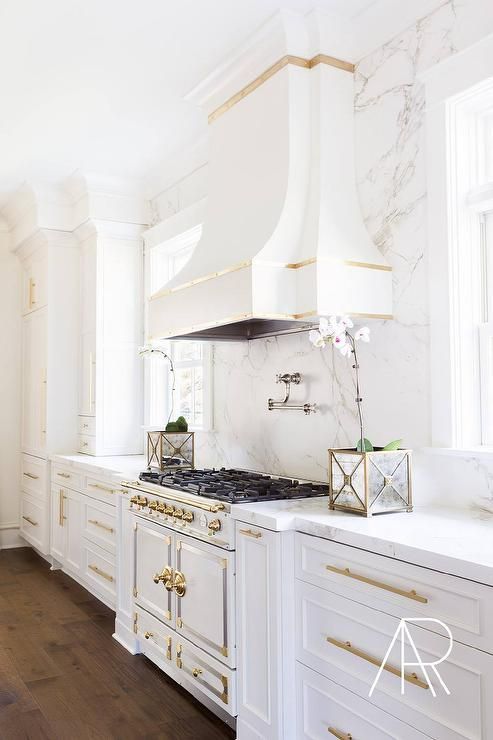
378 584
101 526
101 488
32 476
101 573
251 533
148 634
340 735
410 677
31 521
64 475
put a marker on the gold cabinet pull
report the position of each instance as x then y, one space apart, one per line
410 677
101 487
340 735
168 648
32 476
165 577
64 475
251 533
101 526
148 634
101 573
196 672
61 513
31 521
378 584
32 285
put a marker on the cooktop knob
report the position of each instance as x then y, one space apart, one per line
161 508
178 513
214 526
153 505
188 516
169 510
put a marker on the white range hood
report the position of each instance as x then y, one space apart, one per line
283 239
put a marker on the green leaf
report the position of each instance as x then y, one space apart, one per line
368 445
394 445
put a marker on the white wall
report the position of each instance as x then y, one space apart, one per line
390 162
10 392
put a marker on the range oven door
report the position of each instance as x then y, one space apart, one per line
204 596
153 586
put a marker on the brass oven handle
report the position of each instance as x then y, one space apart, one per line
179 584
340 735
176 497
101 526
251 533
408 594
32 476
101 573
31 521
410 677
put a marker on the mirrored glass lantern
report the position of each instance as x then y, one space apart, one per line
170 450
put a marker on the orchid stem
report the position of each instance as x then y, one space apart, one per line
359 400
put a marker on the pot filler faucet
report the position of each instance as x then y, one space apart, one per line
287 379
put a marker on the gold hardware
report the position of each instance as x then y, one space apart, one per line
250 533
214 526
134 591
64 475
32 476
136 616
340 735
410 677
161 508
378 584
102 488
141 501
347 480
101 573
148 634
196 672
169 510
224 651
134 500
179 584
178 513
153 505
35 524
213 508
179 622
165 577
224 695
168 648
101 526
61 515
179 661
188 516
387 480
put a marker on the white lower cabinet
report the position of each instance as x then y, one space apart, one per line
34 522
99 571
326 710
66 528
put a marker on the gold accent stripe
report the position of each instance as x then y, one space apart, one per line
368 265
274 69
202 279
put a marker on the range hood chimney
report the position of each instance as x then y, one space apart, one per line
283 239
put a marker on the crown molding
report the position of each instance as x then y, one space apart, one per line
42 238
93 228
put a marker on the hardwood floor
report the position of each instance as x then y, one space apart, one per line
63 676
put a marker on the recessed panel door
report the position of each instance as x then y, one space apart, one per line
154 569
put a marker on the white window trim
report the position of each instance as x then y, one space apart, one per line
455 378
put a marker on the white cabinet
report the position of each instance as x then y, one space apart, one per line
110 370
34 385
264 576
66 528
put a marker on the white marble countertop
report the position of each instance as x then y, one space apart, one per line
451 541
123 465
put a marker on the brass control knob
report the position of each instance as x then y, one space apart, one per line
134 500
169 510
142 501
178 513
214 526
153 505
188 516
161 508
196 672
148 634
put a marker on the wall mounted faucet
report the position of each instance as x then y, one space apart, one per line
288 379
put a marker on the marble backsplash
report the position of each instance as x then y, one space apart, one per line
390 116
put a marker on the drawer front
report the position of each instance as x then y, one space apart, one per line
87 426
99 571
326 710
215 679
347 642
33 476
99 523
66 477
400 589
153 636
101 489
34 523
87 444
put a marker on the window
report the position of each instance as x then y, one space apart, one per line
192 360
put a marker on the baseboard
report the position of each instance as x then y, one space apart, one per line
125 637
10 537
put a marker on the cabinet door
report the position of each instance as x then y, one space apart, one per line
153 569
204 593
87 384
34 393
71 512
58 529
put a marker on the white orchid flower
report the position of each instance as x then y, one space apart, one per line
346 349
339 341
363 333
346 322
316 338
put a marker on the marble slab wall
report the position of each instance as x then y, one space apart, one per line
390 117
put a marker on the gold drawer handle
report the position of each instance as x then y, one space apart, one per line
101 573
31 521
340 735
196 672
408 594
101 526
410 677
64 475
148 634
251 533
32 476
101 488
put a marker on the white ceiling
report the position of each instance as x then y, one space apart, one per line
97 85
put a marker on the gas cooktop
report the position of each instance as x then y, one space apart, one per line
235 486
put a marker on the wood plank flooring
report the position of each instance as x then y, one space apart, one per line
63 677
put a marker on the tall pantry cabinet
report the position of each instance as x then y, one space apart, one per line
50 347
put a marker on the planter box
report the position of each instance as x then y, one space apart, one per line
170 450
370 483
